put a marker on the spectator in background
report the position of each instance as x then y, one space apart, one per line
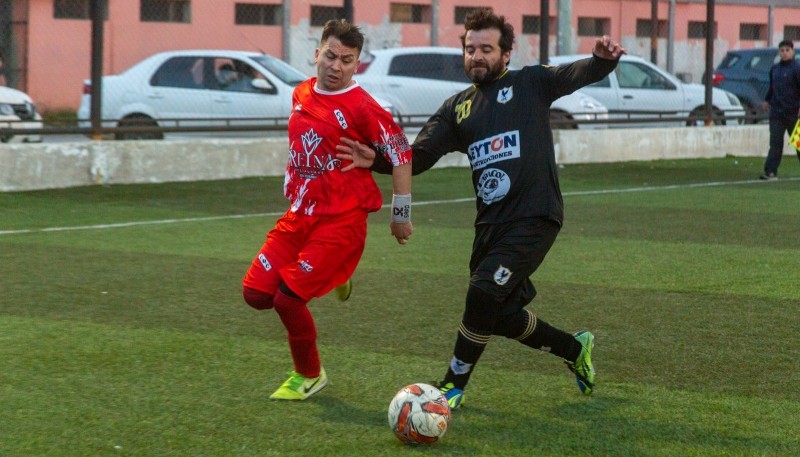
245 77
783 103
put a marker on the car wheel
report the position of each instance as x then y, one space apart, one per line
561 119
751 111
699 115
138 120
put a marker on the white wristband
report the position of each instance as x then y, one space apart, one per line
401 208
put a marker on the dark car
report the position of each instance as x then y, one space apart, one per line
745 72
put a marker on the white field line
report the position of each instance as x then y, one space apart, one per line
422 203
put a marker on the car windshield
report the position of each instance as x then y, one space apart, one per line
281 69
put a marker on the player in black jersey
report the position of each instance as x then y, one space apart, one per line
502 124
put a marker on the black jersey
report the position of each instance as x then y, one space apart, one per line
504 129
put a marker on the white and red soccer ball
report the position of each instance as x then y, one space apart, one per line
419 414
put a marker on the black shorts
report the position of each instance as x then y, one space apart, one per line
504 256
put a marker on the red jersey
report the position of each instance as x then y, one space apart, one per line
314 182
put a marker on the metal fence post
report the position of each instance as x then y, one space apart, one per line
97 67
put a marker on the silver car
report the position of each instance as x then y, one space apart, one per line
637 89
416 80
196 88
17 111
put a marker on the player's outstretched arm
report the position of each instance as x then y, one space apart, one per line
401 226
361 155
606 48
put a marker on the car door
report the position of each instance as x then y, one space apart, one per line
420 82
643 89
178 90
606 92
245 91
756 72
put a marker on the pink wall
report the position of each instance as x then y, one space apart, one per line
59 53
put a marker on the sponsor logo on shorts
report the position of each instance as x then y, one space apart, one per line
493 185
305 267
264 262
487 151
502 275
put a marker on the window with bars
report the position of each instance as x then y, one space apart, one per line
593 26
533 25
461 12
752 31
258 14
322 14
409 12
697 29
791 32
644 28
76 9
165 11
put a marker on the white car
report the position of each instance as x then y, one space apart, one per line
17 111
416 80
196 88
637 89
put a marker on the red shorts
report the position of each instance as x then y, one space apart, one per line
311 254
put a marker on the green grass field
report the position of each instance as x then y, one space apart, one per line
123 331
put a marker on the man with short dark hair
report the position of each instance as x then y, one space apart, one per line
317 244
783 103
502 124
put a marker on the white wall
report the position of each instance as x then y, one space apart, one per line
55 165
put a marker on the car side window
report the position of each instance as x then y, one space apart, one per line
182 72
233 75
454 68
428 66
632 75
760 64
605 82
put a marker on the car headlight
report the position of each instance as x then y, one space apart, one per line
6 109
590 104
733 99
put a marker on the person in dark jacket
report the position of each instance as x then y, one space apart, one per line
783 103
502 124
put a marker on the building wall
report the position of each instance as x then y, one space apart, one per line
60 49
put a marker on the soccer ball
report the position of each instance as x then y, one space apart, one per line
419 414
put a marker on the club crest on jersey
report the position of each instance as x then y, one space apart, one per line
493 185
502 275
264 262
340 118
505 94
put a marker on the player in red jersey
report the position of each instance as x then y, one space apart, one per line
318 242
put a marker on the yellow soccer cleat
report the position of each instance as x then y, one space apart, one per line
343 291
298 387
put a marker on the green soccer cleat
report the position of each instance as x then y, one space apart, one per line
583 369
454 396
343 291
298 387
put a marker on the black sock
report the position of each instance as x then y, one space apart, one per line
547 338
465 356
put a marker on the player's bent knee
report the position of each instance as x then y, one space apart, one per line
257 299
